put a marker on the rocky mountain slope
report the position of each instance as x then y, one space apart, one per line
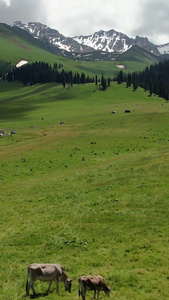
41 31
110 42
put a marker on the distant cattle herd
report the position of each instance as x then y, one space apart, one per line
2 133
56 273
126 111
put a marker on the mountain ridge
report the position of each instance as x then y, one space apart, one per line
18 45
110 42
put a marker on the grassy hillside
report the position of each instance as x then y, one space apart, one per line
91 194
136 58
16 46
136 54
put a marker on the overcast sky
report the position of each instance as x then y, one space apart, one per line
146 18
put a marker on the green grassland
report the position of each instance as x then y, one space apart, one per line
91 194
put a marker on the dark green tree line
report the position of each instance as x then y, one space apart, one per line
40 72
154 79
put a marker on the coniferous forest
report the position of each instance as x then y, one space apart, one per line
154 79
41 72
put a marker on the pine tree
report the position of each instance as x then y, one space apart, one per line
120 77
151 87
108 81
135 86
82 78
102 80
128 84
96 81
63 78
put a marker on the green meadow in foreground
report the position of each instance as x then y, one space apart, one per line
91 194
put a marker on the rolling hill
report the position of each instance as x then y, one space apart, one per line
137 54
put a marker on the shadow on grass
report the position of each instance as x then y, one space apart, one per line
38 295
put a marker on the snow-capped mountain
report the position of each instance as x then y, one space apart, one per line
108 41
41 31
113 41
105 41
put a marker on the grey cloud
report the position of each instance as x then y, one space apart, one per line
22 10
147 18
155 20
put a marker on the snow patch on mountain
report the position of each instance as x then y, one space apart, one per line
41 32
108 41
21 63
163 49
120 66
115 42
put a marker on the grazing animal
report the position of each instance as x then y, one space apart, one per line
13 132
47 272
1 133
92 283
127 111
